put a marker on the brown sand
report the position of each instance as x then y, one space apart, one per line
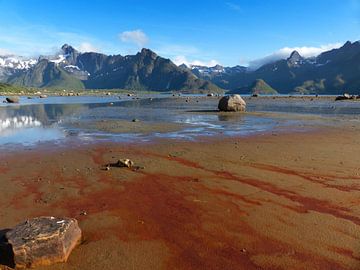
290 201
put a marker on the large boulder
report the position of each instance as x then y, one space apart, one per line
232 103
12 99
43 241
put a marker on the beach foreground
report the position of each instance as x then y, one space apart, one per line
273 201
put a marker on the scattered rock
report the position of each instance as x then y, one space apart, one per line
12 99
43 241
345 97
43 96
232 103
122 163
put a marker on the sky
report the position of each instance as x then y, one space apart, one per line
206 32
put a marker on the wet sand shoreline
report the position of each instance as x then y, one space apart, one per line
288 201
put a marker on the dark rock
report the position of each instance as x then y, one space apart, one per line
345 97
12 99
43 241
122 163
232 103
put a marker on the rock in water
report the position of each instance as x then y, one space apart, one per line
43 241
232 103
12 99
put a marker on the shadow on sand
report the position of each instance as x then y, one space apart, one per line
6 252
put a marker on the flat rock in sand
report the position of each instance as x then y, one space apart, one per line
43 241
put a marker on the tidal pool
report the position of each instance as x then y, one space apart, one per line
62 119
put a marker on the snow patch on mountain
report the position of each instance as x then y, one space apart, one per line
16 62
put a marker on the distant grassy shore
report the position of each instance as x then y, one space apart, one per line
14 90
7 89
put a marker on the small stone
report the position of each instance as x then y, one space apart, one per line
127 163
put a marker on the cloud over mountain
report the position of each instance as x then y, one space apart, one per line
283 53
181 59
137 37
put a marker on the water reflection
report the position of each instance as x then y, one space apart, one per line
18 122
52 119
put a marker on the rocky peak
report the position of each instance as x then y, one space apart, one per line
295 58
183 66
148 53
67 49
218 67
349 45
70 54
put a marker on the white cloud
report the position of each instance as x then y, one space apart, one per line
137 37
5 52
285 52
233 6
181 59
87 47
186 54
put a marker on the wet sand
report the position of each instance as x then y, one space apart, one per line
274 201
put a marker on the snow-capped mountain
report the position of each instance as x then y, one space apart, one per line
16 62
218 70
331 72
70 68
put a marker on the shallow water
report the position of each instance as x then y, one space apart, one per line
61 119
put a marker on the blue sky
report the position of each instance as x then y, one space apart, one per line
206 31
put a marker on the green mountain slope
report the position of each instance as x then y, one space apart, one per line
143 71
46 74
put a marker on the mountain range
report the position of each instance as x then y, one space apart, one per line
331 72
73 69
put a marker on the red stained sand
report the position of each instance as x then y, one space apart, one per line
203 226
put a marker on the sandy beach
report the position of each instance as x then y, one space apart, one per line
270 201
